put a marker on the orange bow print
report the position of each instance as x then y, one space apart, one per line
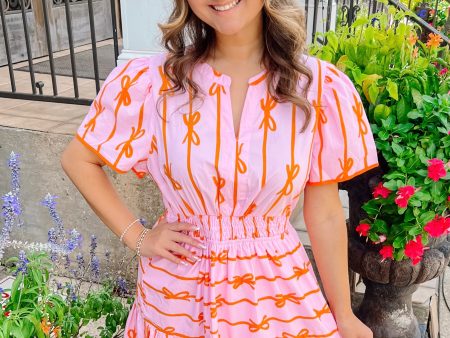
204 278
123 96
346 166
359 112
320 113
274 259
221 257
127 147
264 325
281 299
292 170
242 167
216 89
190 122
183 295
131 333
220 183
165 83
267 106
154 145
168 172
304 333
90 126
325 309
298 272
248 278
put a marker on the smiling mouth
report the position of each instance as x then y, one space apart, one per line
226 7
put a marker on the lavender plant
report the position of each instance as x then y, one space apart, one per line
39 303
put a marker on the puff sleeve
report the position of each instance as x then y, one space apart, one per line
117 124
343 144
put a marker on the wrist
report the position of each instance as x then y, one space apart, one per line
343 314
131 238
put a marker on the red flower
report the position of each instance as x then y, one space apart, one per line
363 229
387 251
437 226
443 71
414 249
380 190
403 195
436 169
446 224
6 313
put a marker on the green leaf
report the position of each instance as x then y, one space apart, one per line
383 135
332 41
403 128
381 112
415 231
417 97
398 149
399 242
373 93
414 114
425 217
392 89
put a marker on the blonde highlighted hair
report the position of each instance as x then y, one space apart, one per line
284 32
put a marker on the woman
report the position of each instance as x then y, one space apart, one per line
233 128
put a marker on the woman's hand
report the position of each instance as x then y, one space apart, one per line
163 240
352 327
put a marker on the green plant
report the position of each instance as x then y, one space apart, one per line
404 87
35 309
413 200
38 304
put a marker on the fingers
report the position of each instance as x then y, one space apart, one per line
180 237
182 251
182 226
171 257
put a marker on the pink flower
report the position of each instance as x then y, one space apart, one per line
436 169
387 251
381 239
414 249
363 229
403 195
443 71
380 190
437 226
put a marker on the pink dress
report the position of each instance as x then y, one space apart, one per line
254 279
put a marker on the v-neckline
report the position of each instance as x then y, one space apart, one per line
226 80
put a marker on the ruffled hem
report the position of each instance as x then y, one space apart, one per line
138 327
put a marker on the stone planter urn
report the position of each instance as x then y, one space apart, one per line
387 304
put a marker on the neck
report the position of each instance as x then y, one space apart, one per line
241 48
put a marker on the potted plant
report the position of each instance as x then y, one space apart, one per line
399 212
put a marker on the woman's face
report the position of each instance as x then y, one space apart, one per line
227 17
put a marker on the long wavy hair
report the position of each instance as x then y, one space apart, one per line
284 32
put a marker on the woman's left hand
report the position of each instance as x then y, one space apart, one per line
352 327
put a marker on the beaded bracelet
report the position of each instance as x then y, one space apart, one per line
127 228
140 240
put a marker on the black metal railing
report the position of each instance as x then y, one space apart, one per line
324 14
7 6
349 10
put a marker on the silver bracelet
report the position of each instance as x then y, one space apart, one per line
128 228
140 240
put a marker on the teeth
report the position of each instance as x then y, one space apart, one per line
226 7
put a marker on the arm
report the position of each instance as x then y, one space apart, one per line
84 169
325 223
